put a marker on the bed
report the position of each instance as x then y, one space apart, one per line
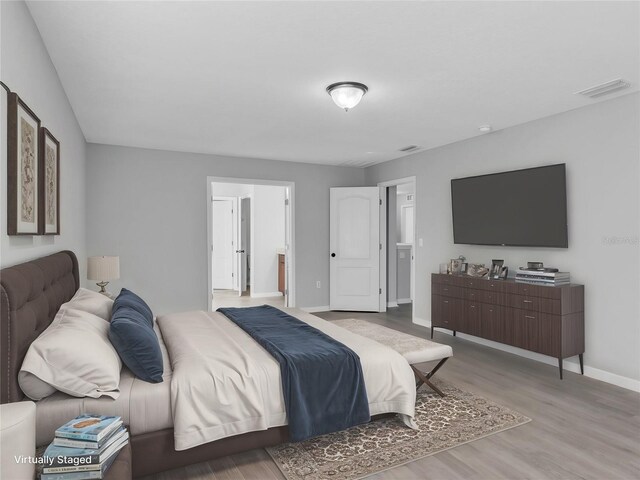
31 294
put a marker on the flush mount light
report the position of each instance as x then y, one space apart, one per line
347 94
485 128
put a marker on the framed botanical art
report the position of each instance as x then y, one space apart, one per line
23 145
50 183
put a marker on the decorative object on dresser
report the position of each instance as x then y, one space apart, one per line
103 268
477 270
49 167
540 318
455 266
23 172
496 268
504 273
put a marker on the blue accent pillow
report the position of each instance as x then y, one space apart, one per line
132 335
128 299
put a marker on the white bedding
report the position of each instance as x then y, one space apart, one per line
145 407
224 383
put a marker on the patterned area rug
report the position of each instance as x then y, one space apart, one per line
444 423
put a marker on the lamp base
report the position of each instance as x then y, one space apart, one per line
102 289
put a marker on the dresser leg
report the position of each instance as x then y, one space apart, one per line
431 332
581 364
560 367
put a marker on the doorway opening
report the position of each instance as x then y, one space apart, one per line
250 242
399 246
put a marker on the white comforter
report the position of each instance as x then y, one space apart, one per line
224 383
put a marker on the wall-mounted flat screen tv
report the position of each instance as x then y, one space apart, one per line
525 208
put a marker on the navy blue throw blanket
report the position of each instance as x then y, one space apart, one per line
322 379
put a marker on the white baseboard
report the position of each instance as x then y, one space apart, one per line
392 304
403 300
265 295
569 365
422 322
324 308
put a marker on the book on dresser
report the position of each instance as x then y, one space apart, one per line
542 276
541 317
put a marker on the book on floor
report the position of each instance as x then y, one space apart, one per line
92 428
82 475
59 456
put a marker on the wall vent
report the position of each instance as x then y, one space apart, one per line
604 88
409 148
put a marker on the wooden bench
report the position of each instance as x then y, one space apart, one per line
414 349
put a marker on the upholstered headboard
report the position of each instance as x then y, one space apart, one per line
31 294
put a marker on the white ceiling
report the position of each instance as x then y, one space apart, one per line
248 78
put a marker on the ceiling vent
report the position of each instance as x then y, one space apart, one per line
604 88
409 148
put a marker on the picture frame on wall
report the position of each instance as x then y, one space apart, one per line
50 183
23 169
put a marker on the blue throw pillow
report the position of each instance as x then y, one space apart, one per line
128 299
132 335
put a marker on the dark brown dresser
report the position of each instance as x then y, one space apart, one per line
540 318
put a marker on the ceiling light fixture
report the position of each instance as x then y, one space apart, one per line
485 128
347 94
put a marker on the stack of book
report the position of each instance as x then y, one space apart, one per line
84 448
542 277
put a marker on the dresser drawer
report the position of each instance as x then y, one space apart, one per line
441 278
493 285
473 294
525 302
538 304
538 290
495 298
447 290
446 312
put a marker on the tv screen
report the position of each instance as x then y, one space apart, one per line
526 208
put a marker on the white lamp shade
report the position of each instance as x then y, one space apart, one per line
347 95
103 268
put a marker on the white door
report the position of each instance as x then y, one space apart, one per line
222 254
241 252
354 249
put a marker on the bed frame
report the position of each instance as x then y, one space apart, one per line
31 294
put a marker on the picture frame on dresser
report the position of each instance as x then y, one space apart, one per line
23 168
49 160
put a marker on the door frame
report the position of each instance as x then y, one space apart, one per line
383 237
290 218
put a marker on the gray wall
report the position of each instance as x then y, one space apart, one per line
28 71
600 145
150 208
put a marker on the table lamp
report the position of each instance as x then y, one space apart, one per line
103 268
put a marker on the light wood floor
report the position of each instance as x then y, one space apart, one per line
581 428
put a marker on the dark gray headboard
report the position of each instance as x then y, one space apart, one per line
31 294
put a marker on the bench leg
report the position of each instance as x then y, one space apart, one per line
424 377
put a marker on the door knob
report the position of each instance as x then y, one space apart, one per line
333 254
239 251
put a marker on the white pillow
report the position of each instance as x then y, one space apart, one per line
73 355
92 302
